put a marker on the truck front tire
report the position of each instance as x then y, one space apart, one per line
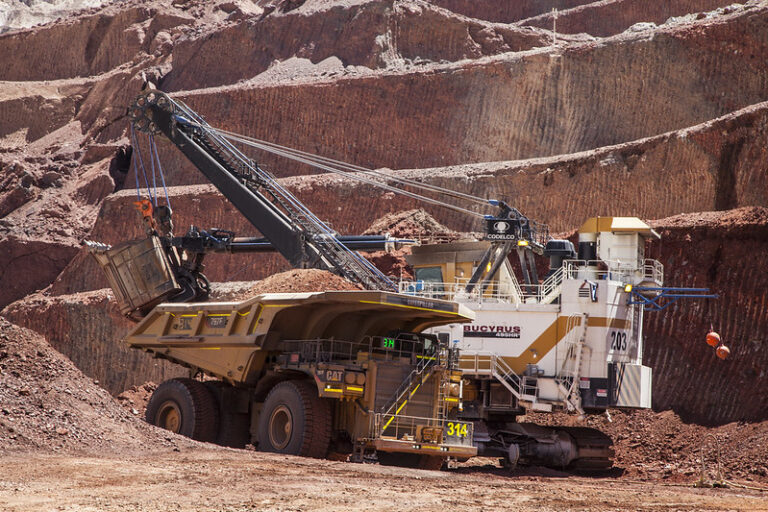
186 407
295 420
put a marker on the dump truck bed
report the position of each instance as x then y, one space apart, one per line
232 340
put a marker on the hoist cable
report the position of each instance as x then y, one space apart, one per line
353 167
143 170
153 147
284 193
135 165
152 166
355 176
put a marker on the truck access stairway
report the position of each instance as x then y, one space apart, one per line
410 385
523 387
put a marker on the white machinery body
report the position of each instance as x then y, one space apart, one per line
572 341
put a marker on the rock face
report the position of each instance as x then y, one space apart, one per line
375 34
15 14
506 12
49 204
511 106
629 109
728 253
610 17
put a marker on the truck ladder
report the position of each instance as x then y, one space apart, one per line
570 371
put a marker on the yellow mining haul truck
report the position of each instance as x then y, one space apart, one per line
309 373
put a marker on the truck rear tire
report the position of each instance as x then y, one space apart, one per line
410 460
186 407
295 421
234 427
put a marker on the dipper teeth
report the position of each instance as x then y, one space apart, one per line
96 246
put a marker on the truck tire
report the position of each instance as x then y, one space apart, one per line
234 428
295 421
186 407
411 460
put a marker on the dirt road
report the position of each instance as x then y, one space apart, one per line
230 480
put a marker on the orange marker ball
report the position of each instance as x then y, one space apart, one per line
713 339
723 352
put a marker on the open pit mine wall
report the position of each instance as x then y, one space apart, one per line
729 257
95 44
611 17
718 165
506 12
511 106
374 34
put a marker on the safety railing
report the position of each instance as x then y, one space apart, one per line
648 270
488 363
379 347
510 292
542 293
653 270
457 291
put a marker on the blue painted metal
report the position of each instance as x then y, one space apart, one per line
669 294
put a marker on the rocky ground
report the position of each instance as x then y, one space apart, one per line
238 481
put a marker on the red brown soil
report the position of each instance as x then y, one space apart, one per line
136 398
726 252
414 224
609 17
88 328
417 225
652 445
393 263
302 280
47 404
297 281
207 480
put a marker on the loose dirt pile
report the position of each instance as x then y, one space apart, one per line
135 398
46 403
416 224
296 281
653 445
392 263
